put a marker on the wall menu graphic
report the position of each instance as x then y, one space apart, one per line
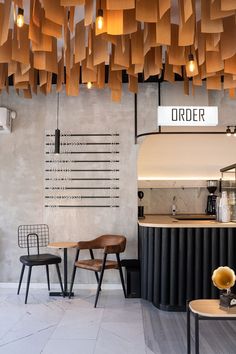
86 173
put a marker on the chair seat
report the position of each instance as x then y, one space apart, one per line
95 264
41 259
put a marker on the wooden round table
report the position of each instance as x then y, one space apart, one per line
63 245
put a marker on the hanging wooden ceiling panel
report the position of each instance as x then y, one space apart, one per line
153 37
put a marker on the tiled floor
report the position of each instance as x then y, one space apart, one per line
117 326
56 325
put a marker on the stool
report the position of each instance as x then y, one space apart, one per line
205 309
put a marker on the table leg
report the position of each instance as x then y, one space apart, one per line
196 334
65 274
66 293
188 331
65 271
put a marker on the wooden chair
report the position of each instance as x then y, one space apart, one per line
111 244
36 236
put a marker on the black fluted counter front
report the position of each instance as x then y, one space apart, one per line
177 259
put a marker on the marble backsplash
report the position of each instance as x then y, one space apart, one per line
187 200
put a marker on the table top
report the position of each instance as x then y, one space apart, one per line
210 308
63 244
169 221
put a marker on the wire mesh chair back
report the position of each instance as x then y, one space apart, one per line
33 236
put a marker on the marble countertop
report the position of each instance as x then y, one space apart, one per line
171 222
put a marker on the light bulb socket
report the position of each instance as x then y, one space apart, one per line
20 11
190 57
228 131
57 141
100 12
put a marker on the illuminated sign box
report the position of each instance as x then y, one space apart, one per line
187 116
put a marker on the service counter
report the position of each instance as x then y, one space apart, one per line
178 257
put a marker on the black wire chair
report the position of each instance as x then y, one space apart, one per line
36 236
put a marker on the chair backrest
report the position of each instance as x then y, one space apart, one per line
111 243
33 236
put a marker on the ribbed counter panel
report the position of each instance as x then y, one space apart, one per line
177 263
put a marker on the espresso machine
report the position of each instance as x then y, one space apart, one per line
211 199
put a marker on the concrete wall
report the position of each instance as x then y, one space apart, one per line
22 175
22 164
187 200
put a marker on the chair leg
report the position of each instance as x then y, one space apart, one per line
72 281
96 273
47 271
28 283
21 277
97 277
73 274
121 273
59 277
100 279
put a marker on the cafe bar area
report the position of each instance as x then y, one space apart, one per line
117 177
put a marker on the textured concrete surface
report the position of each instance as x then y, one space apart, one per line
22 165
22 176
187 200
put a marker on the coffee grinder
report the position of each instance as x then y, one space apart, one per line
140 207
211 199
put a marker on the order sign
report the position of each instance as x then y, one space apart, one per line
187 115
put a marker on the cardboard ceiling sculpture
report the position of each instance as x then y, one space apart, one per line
191 38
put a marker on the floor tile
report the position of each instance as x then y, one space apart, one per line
30 344
71 346
149 351
79 323
52 325
109 342
131 332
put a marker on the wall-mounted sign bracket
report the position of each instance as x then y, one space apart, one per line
160 131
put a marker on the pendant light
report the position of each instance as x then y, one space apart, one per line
57 131
191 64
20 18
100 19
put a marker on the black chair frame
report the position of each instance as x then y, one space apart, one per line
36 240
99 279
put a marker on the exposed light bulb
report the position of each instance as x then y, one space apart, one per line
89 85
100 19
191 66
100 22
20 18
228 131
191 63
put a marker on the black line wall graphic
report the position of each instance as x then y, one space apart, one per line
86 173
